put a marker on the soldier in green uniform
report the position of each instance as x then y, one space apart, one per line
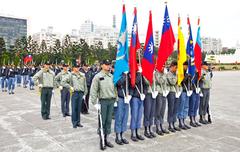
45 81
103 89
63 82
79 87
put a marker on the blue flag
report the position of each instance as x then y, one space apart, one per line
190 51
121 64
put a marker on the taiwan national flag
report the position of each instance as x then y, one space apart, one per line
148 56
27 59
121 64
190 51
134 46
167 42
198 51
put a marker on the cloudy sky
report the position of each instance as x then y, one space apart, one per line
219 18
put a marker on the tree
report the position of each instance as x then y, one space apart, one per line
2 45
43 47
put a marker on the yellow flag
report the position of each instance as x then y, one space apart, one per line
182 54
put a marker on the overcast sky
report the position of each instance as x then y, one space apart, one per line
219 18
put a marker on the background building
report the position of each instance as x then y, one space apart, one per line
48 35
12 29
211 45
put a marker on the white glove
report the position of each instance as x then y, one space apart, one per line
198 90
165 93
40 85
142 96
126 72
84 97
60 87
127 99
97 106
140 69
53 91
154 94
177 95
115 104
189 93
71 88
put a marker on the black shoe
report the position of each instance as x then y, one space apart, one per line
67 114
159 132
186 126
193 124
118 141
182 127
202 121
48 118
171 129
134 138
147 134
108 144
80 125
152 135
209 119
125 141
139 137
64 115
197 124
165 131
176 128
75 127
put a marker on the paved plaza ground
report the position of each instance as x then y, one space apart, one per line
22 129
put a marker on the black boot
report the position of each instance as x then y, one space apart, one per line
201 120
176 128
118 139
107 143
209 119
195 122
139 136
146 133
133 136
186 126
159 131
181 125
151 133
123 139
204 119
170 128
192 122
163 130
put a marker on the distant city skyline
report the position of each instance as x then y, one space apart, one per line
218 18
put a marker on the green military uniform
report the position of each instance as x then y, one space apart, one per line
161 87
63 80
45 79
103 89
79 86
205 85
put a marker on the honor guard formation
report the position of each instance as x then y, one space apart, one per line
145 104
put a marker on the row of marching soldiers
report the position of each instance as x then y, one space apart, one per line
145 102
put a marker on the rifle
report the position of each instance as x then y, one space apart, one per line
100 129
